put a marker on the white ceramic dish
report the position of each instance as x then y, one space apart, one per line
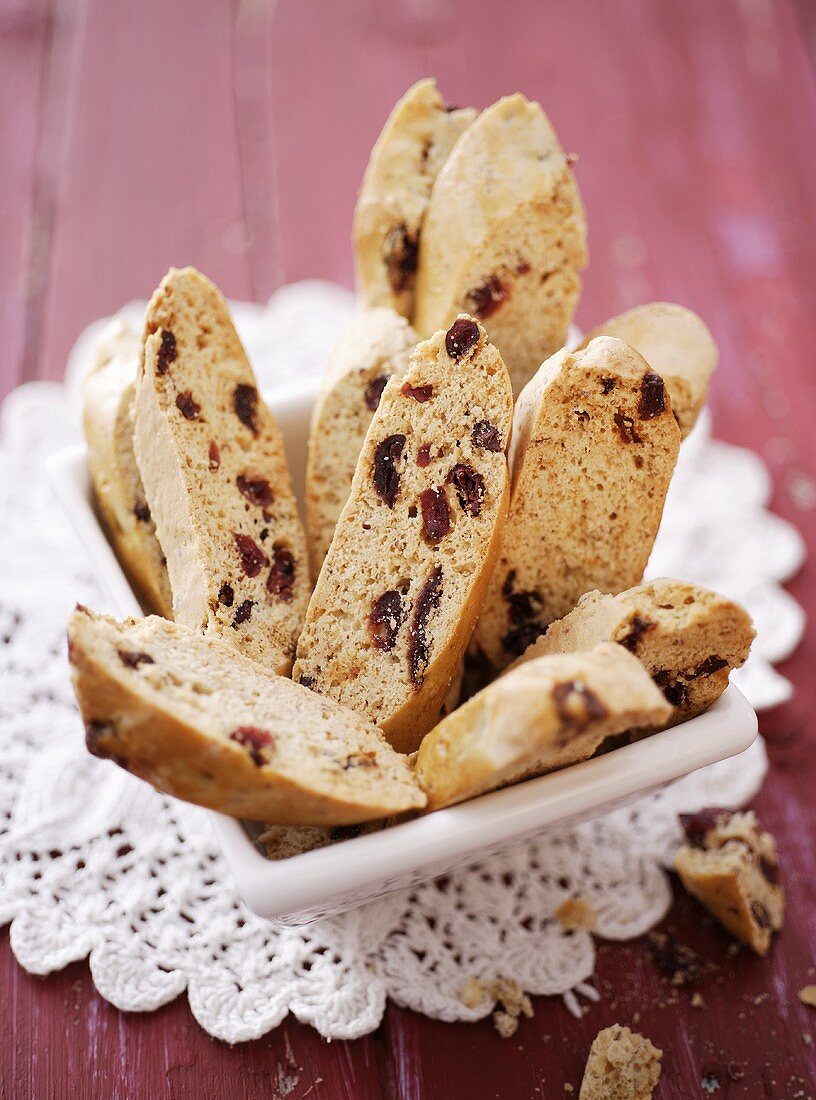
330 880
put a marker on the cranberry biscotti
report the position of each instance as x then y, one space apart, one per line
505 237
375 346
216 478
199 721
108 392
393 200
396 599
594 449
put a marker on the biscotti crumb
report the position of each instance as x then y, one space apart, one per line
807 996
622 1065
576 915
513 1002
697 1000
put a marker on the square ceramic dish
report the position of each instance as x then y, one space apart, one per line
330 880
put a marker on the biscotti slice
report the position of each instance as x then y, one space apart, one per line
544 715
730 865
687 637
216 477
388 219
199 721
594 449
505 237
374 347
107 392
285 841
622 1065
399 591
677 345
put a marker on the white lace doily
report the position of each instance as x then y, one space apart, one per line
94 863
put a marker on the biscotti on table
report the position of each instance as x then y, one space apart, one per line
401 585
216 478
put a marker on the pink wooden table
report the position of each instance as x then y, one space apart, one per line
233 136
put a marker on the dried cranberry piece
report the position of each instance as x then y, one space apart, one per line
94 733
385 620
469 486
423 457
435 513
486 436
188 406
281 579
760 914
360 760
399 253
652 400
257 490
522 612
419 645
306 681
167 353
386 475
769 870
626 428
131 659
141 512
637 628
608 384
253 740
522 268
214 456
245 404
708 667
253 559
421 393
243 613
674 690
345 832
226 595
696 825
483 301
374 391
577 705
461 337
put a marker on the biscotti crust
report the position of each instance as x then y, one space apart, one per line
216 477
398 593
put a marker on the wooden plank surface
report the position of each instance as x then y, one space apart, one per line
233 135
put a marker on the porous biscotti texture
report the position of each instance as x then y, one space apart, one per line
594 449
396 599
544 715
622 1065
687 637
388 219
216 477
199 721
376 346
730 865
505 237
677 345
285 841
107 392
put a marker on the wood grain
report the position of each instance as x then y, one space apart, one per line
233 135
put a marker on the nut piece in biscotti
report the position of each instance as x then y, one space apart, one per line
399 591
216 477
390 212
107 392
687 637
376 346
622 1065
730 865
677 345
544 715
199 721
594 449
505 237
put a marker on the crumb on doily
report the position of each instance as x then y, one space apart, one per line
576 915
807 995
505 993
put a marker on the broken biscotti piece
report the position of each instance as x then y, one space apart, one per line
393 200
594 450
216 478
687 637
199 721
677 345
396 599
730 865
505 237
541 716
107 392
622 1065
376 345
284 841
